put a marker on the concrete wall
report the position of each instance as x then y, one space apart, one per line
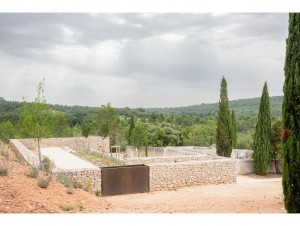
167 159
241 154
23 152
76 143
170 176
247 166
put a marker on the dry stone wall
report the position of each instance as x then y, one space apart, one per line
83 177
170 176
77 143
167 159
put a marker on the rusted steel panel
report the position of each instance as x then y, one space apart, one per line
124 180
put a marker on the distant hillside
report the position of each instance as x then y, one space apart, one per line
242 107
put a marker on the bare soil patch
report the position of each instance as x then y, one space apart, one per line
251 194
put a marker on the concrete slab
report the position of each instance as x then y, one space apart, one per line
65 160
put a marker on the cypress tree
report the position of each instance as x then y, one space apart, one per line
233 129
291 118
224 143
131 127
262 136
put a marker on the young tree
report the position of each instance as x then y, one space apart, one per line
108 122
131 127
139 137
291 118
233 129
86 129
7 131
261 151
35 117
224 144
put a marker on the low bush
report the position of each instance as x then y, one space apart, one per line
43 182
98 193
88 186
34 172
70 190
46 165
3 153
66 207
3 170
65 180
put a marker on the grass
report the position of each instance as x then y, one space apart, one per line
66 207
3 170
97 157
81 207
68 182
88 186
3 153
43 182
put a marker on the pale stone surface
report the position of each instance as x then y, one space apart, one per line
65 160
170 176
75 143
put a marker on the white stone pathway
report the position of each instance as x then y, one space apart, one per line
65 160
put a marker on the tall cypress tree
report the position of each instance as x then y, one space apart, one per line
224 143
131 127
262 137
291 118
233 129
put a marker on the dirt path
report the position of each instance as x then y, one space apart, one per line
251 194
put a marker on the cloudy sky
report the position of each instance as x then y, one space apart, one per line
141 60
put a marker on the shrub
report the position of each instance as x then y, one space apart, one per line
98 193
3 170
81 207
66 207
46 165
3 153
65 180
88 186
34 172
43 182
70 189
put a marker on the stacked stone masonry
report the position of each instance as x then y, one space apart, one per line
83 176
170 176
167 159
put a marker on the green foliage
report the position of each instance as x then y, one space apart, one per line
3 170
131 127
43 182
3 153
223 142
34 172
65 180
291 118
245 140
98 193
139 136
276 144
88 185
261 149
35 118
46 165
7 131
86 129
66 207
108 122
203 134
233 130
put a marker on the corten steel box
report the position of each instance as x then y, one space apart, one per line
120 180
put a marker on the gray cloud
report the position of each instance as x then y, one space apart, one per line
133 59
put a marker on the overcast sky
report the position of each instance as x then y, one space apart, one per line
141 60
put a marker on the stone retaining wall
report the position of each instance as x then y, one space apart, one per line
170 176
83 176
167 159
75 143
247 166
23 152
